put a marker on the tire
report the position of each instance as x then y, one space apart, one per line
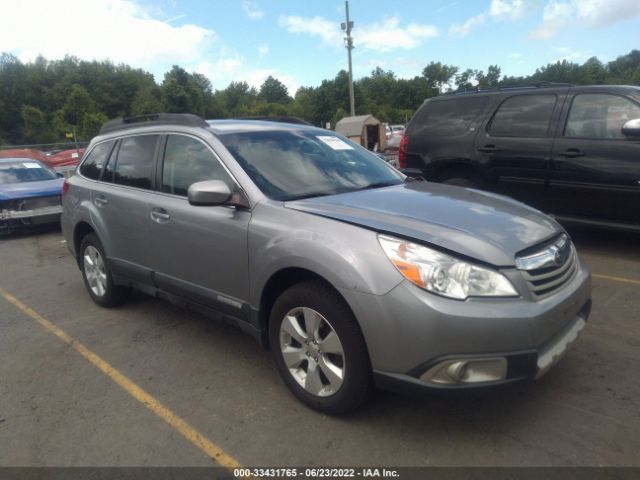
461 182
345 380
97 276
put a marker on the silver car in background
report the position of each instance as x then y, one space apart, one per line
353 275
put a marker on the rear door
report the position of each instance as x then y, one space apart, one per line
595 170
122 205
199 252
515 145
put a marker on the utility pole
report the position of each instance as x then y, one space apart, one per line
348 40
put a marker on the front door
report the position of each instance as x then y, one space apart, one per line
200 252
595 170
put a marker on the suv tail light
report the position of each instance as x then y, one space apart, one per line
402 151
65 186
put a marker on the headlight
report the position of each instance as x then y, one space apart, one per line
442 274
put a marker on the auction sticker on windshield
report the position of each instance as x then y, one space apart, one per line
334 142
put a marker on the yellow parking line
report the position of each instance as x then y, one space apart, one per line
186 430
616 279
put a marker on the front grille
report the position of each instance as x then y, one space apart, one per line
543 272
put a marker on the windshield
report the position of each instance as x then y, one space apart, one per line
24 171
290 164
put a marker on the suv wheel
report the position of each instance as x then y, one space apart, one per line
96 274
319 349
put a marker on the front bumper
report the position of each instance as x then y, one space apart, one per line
409 332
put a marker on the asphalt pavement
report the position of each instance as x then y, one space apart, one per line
149 384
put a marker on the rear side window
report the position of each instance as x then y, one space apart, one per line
92 166
187 161
448 117
597 115
134 163
523 116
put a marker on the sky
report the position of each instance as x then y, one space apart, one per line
300 41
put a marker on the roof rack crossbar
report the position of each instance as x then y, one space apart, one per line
185 119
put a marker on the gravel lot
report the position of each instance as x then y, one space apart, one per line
58 409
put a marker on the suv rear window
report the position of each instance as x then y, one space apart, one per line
135 160
441 118
523 116
92 166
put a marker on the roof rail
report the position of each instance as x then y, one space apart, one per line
186 119
520 86
277 118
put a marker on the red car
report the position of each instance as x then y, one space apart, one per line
65 158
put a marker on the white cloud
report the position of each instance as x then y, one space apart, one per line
382 36
252 10
263 49
329 32
510 10
593 13
389 35
119 30
463 29
501 10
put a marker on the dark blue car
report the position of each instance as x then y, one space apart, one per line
29 194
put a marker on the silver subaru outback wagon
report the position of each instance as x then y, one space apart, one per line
353 275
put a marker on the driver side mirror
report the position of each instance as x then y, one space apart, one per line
631 128
215 192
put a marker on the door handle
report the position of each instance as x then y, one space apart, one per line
100 201
572 153
488 149
160 215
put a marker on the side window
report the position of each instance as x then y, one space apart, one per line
523 116
449 117
599 115
186 161
92 166
134 163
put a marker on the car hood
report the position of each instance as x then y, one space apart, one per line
479 225
44 188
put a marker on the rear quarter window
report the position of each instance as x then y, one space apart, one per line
92 165
448 117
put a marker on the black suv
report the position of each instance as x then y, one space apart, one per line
573 151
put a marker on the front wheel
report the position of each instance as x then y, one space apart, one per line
319 348
96 274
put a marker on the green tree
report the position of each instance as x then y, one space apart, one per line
463 79
438 75
274 91
37 128
182 93
147 100
491 79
